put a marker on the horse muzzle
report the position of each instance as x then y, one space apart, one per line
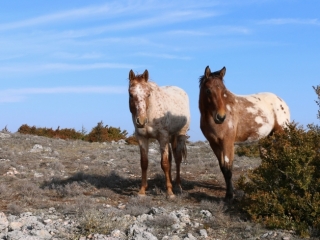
141 122
219 119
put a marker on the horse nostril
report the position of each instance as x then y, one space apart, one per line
137 121
220 118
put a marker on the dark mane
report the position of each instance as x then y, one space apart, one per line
139 76
203 78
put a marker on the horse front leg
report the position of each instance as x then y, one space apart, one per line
143 144
225 158
166 166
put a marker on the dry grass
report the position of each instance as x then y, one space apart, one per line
81 178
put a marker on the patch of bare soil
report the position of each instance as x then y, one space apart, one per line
38 173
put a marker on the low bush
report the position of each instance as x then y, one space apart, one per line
99 133
66 133
132 140
102 133
284 191
249 150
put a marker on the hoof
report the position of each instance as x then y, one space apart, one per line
141 195
178 189
228 200
171 196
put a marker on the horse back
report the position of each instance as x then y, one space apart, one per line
259 115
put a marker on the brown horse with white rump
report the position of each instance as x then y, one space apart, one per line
161 113
227 119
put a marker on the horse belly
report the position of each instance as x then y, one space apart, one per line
177 116
252 134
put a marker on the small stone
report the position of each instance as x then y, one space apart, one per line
116 233
43 234
3 222
190 237
206 213
121 206
36 148
175 237
203 233
15 226
38 175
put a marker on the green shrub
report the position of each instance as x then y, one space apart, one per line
66 133
317 90
284 191
99 133
102 133
132 140
249 150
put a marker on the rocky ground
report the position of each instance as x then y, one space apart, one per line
58 189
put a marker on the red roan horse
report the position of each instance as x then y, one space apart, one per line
227 118
161 113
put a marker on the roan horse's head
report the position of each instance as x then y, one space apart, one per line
212 94
139 93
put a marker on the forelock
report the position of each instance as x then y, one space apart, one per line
213 75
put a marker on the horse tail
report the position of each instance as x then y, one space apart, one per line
179 145
184 151
170 153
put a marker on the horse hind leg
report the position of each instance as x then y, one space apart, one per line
179 149
276 129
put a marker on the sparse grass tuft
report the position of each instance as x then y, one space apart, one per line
161 221
14 209
101 221
138 205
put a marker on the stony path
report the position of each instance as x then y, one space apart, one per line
177 224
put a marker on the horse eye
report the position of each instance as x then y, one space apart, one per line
149 95
208 91
130 95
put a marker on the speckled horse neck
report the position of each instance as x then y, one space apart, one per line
161 113
227 118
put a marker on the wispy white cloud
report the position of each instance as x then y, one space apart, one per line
59 16
63 67
188 33
137 22
217 30
163 55
116 8
18 95
282 21
68 55
5 58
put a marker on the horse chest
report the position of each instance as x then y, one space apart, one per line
147 131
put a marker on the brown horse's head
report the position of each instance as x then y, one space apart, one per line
139 93
212 94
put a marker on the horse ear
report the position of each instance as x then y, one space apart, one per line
207 72
146 75
223 72
131 75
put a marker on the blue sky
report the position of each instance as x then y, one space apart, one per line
66 63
